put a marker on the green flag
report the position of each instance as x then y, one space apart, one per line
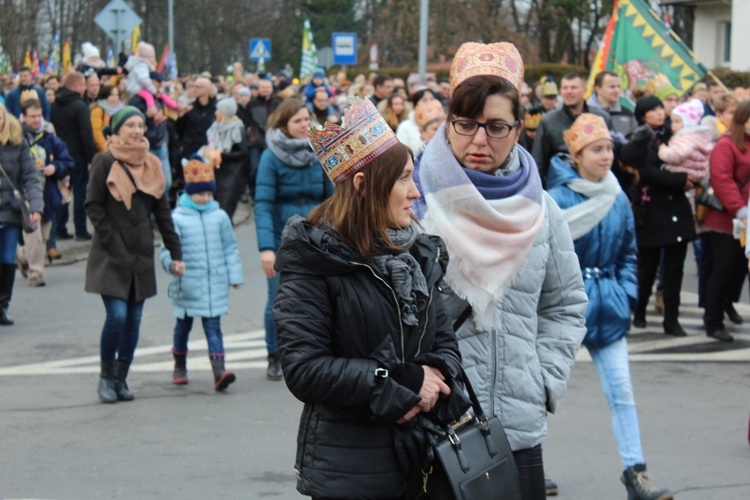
645 52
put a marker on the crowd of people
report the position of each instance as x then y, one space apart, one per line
558 213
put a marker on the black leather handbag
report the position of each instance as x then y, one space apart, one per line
472 459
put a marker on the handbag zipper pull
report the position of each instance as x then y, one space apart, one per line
425 478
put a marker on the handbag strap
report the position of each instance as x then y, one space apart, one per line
129 174
469 389
5 174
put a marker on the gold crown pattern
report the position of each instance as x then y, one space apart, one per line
197 171
586 129
343 151
549 89
531 120
28 94
496 59
427 112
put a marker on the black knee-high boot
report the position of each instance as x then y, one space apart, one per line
7 278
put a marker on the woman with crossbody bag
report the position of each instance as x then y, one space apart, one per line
125 189
20 175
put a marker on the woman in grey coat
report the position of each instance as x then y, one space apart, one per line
20 168
512 261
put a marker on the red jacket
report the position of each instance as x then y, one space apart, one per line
730 168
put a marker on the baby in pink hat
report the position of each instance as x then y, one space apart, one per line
690 146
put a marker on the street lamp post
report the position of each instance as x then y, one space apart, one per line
424 21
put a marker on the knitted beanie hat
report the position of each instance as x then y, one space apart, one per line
227 106
665 92
691 112
199 175
121 117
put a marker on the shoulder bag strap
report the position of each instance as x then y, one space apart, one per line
5 174
130 175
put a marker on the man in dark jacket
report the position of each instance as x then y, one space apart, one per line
72 120
607 97
25 83
260 108
192 126
549 136
53 161
156 128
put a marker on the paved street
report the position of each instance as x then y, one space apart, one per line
58 442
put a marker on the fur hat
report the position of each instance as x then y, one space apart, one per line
227 106
495 59
199 174
644 105
691 112
587 128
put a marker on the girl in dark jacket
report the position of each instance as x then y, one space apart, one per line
227 135
365 342
601 223
20 168
663 218
290 182
126 188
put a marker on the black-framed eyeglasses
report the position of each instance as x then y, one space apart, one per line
493 129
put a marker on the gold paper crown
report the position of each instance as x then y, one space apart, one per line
343 151
549 89
586 129
427 112
496 59
29 94
531 120
196 171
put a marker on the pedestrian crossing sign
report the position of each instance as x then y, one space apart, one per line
260 48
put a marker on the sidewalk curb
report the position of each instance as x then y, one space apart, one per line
73 251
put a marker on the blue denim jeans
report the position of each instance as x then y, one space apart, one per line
162 153
121 328
612 364
9 235
212 329
79 179
271 344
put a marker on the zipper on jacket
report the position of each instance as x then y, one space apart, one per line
208 267
426 319
395 300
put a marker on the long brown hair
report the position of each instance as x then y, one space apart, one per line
737 132
361 217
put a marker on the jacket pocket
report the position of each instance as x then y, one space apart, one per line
185 289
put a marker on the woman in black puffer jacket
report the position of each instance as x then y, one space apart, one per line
364 339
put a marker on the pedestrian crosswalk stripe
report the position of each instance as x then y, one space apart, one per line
248 350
